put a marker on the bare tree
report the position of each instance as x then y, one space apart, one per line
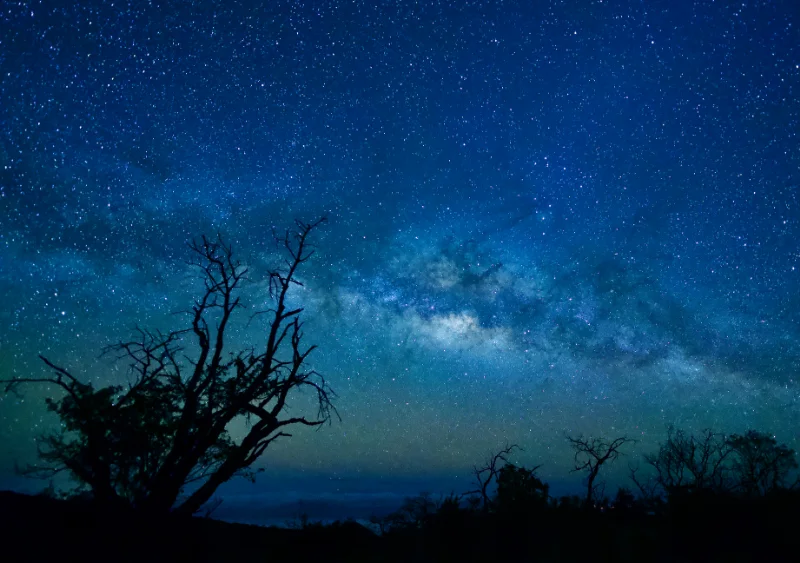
648 486
590 455
168 432
691 463
489 472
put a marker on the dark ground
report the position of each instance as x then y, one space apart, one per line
39 528
36 528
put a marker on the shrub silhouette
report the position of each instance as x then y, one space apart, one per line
520 490
760 465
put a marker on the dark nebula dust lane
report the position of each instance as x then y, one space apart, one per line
545 218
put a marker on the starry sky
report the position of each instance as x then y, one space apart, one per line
545 218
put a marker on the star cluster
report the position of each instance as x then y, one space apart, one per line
546 218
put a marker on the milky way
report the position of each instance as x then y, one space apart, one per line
545 218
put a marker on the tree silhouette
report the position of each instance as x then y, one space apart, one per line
519 490
760 465
687 463
163 443
590 455
624 500
489 472
649 487
414 513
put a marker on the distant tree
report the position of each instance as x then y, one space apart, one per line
648 486
381 522
450 503
568 502
624 500
487 474
416 511
687 463
167 432
414 514
520 490
760 465
590 455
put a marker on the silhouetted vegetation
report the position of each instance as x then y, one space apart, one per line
715 498
687 463
163 444
149 456
590 455
707 498
761 466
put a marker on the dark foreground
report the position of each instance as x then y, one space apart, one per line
37 528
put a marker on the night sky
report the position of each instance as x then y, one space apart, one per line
545 218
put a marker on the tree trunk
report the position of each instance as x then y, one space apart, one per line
590 490
198 498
